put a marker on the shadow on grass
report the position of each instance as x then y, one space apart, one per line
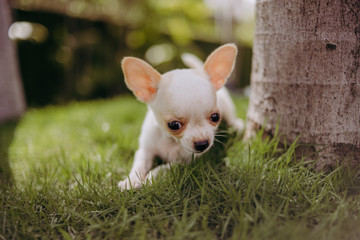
7 131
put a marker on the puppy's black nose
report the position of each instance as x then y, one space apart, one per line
201 145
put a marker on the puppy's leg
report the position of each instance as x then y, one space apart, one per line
227 109
153 173
143 162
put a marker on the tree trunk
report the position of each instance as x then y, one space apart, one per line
12 103
305 75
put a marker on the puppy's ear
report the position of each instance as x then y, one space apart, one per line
220 64
140 78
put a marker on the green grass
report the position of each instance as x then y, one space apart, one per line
66 162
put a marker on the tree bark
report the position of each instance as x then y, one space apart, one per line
305 75
12 102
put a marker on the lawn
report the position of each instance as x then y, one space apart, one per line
66 162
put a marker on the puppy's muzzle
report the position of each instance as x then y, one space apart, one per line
200 146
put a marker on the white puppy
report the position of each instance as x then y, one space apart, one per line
185 107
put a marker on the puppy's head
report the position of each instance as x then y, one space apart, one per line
184 101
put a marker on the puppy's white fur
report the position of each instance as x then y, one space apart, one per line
189 98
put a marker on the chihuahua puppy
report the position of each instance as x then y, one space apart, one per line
185 107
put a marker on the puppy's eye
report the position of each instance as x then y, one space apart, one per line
174 125
215 117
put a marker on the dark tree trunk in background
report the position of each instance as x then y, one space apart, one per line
12 103
306 75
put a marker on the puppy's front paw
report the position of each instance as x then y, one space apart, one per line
239 125
128 183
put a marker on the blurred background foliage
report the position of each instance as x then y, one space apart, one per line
72 49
